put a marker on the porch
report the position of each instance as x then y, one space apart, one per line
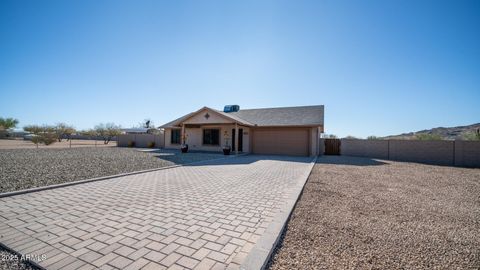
209 137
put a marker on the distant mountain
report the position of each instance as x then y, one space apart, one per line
447 133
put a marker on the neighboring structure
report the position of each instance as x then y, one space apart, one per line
282 131
140 131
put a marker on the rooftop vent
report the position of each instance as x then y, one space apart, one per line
231 108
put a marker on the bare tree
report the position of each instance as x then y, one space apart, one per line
108 131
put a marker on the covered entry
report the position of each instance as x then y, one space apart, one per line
281 141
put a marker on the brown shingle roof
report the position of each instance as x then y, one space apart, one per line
281 116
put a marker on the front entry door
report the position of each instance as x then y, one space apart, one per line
240 140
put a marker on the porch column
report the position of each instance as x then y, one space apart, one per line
183 134
236 138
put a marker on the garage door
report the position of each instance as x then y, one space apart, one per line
281 142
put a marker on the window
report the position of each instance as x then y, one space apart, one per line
175 136
211 136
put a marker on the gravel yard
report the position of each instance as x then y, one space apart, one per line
27 168
26 144
358 213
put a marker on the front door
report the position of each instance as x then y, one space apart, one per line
240 140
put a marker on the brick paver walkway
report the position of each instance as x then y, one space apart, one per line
194 217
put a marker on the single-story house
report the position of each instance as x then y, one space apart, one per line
276 131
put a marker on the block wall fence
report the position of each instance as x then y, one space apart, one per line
450 153
141 140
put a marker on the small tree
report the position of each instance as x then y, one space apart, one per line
8 123
108 131
64 131
42 134
428 137
473 135
34 129
5 124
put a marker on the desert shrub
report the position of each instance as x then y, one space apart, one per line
428 137
43 134
151 145
472 136
48 136
36 140
131 144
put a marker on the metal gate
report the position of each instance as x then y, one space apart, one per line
332 146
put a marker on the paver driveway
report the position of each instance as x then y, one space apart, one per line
206 216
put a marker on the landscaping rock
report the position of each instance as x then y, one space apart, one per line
360 213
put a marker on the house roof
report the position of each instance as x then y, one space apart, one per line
281 116
178 121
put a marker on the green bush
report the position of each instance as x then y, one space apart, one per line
151 145
131 144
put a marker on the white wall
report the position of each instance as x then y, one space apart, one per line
141 140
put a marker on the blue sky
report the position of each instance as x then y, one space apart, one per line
379 67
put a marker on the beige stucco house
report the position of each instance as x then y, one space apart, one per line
277 131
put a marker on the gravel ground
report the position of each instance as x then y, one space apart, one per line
358 213
27 168
25 144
